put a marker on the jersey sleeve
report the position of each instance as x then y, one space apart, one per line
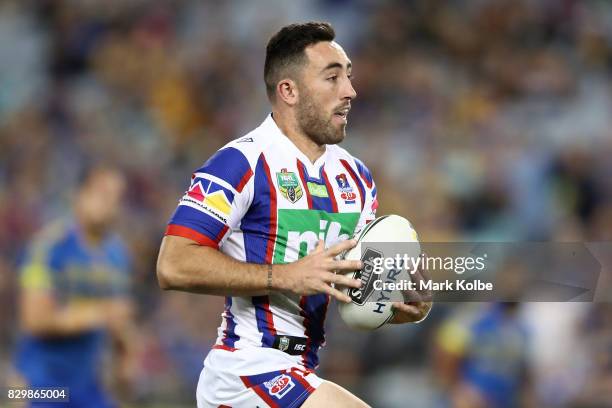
368 212
40 266
216 200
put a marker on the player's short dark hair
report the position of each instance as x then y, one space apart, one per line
285 50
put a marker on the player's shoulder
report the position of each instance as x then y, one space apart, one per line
51 241
248 146
234 164
355 163
244 151
52 234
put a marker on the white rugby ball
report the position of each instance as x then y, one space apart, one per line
370 308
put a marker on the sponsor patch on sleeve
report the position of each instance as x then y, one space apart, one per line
209 197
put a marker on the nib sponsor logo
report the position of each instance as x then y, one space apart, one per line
300 230
329 232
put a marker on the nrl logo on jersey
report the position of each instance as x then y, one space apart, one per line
289 185
283 343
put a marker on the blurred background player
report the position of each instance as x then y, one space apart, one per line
74 298
480 357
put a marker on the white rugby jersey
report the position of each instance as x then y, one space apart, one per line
259 199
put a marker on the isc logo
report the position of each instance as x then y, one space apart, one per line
299 347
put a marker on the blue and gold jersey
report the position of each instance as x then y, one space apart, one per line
61 261
492 345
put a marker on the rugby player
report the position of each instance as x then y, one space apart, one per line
75 298
262 223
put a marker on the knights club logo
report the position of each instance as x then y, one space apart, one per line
289 185
347 193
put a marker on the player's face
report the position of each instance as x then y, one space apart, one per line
100 200
325 93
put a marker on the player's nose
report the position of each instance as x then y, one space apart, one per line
348 92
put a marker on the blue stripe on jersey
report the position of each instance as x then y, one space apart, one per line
279 389
230 337
262 315
258 224
364 172
228 164
358 180
197 221
318 203
315 310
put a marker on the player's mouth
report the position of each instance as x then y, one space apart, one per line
342 114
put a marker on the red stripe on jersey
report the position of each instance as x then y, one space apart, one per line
262 394
364 178
186 232
300 167
353 175
223 347
245 179
330 192
296 374
245 380
221 234
266 306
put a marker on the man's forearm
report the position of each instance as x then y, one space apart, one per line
185 265
40 316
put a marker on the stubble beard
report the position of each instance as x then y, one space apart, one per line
314 123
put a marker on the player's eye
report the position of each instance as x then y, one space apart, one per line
333 78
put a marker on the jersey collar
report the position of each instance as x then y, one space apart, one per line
270 127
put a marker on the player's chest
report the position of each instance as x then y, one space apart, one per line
82 276
308 204
329 187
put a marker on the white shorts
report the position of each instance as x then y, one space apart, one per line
255 377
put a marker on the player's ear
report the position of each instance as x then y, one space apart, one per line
287 91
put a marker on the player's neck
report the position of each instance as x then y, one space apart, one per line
304 143
92 236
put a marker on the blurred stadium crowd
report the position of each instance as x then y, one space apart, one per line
481 120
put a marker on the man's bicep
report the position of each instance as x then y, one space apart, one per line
172 248
37 300
177 255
